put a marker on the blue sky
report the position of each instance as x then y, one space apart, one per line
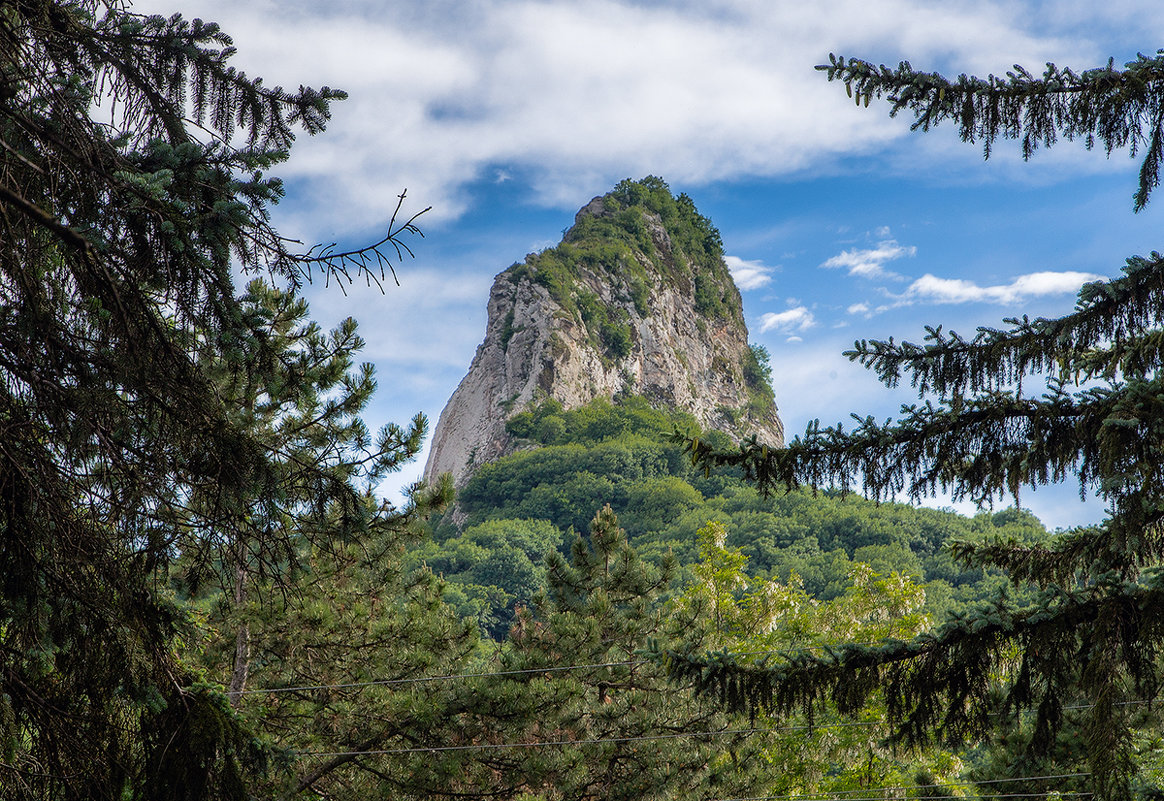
506 116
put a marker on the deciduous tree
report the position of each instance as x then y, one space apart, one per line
740 614
1093 638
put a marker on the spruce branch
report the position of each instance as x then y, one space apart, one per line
1117 108
937 687
1112 328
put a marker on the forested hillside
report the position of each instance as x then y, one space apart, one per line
624 453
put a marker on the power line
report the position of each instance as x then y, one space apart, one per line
527 672
533 744
593 741
1117 703
842 795
560 668
846 795
545 743
1064 794
639 738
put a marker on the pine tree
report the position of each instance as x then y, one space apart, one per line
626 734
342 654
379 690
1089 648
119 320
300 396
289 604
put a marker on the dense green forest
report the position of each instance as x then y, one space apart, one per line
202 596
624 453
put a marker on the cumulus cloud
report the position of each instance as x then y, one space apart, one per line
930 288
574 94
397 328
858 308
798 318
869 262
748 274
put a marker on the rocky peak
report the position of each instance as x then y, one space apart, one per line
635 300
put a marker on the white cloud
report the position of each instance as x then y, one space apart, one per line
795 319
869 262
397 325
930 288
748 274
858 308
574 94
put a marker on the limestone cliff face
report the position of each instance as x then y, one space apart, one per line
636 300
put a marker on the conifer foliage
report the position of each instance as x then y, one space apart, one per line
1092 642
123 205
1116 108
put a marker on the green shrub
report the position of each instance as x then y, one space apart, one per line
757 367
507 330
617 340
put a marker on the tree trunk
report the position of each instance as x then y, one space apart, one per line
242 640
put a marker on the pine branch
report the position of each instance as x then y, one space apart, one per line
1110 329
936 687
338 263
1077 558
978 448
48 221
1119 108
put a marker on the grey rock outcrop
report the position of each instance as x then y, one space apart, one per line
602 315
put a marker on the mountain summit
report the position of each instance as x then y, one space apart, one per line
636 300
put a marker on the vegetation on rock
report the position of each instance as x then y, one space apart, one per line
641 237
757 371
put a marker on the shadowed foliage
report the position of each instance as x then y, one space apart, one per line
121 338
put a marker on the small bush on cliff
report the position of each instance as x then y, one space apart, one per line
758 376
